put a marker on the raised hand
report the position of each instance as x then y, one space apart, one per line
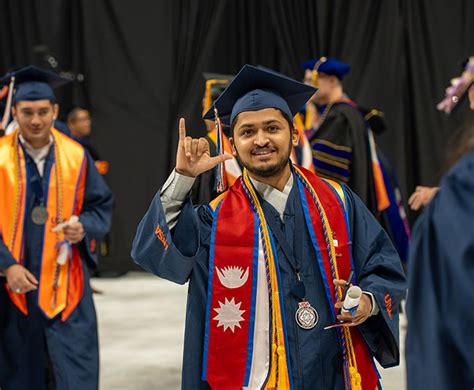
193 156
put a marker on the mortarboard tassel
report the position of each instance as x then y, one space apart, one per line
220 182
315 73
8 104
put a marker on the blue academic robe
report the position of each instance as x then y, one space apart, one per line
28 344
440 343
315 355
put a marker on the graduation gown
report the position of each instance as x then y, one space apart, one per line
440 344
341 152
29 344
315 355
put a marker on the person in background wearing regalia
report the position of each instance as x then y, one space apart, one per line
391 208
439 343
54 206
79 122
339 135
342 135
267 260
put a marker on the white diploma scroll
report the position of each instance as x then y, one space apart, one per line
352 300
63 225
65 246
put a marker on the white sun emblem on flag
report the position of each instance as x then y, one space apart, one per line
229 314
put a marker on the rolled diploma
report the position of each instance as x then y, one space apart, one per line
352 300
63 225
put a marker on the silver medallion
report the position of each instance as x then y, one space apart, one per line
39 215
306 316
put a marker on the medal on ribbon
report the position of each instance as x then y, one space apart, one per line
306 316
39 215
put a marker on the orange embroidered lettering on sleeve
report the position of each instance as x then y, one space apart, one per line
388 305
93 245
161 236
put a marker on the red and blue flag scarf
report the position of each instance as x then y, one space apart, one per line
239 230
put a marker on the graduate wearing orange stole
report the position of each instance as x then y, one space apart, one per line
53 207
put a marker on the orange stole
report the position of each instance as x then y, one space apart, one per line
65 198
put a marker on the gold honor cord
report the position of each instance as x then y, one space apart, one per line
59 217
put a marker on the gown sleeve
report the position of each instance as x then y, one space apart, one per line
172 254
379 271
6 258
96 214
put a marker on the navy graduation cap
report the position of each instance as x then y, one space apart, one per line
256 88
29 83
32 83
329 66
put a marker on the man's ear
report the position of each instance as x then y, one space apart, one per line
55 111
14 113
295 136
232 143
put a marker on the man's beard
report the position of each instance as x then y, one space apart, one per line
271 169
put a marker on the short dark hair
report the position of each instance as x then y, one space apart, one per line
53 102
72 115
289 120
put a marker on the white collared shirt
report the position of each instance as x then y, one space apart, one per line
38 155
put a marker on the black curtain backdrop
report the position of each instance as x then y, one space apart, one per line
142 63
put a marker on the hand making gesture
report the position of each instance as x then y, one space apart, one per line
193 156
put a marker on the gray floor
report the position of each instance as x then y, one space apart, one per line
141 321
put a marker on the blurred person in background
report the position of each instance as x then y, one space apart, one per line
80 123
54 206
439 343
342 135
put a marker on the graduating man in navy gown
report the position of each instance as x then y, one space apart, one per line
54 206
440 344
267 260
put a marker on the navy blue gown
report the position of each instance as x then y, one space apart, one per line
440 341
30 344
316 359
